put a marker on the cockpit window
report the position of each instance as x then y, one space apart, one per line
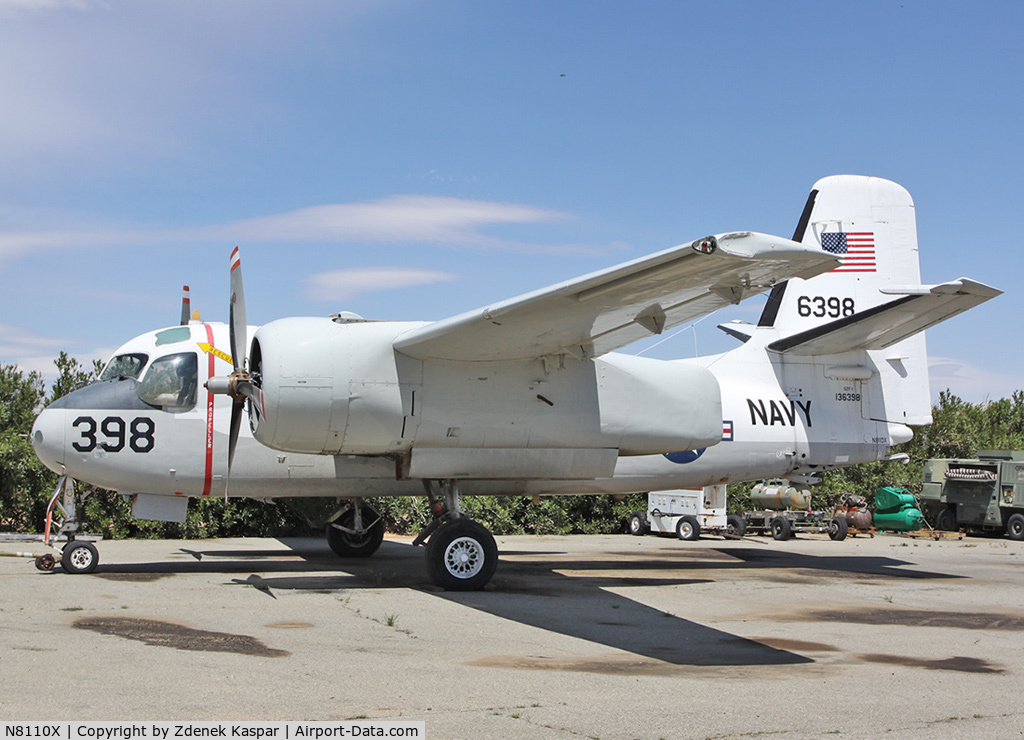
170 382
125 366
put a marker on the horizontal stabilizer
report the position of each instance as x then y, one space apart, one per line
739 329
920 307
606 310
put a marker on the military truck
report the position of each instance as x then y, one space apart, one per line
981 495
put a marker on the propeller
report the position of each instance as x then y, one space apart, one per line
186 306
239 385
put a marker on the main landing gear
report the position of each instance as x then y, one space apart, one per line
355 530
461 554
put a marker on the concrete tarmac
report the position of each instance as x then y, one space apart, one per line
605 637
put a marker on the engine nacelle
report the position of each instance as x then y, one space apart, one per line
328 387
341 388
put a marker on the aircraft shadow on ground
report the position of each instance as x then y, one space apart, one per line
546 590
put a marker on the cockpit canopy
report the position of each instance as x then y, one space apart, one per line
171 381
125 366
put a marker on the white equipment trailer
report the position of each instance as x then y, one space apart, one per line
688 513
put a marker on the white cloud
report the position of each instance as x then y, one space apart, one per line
339 285
29 350
18 6
970 382
443 221
16 341
32 351
400 218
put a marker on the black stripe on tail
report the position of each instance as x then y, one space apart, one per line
771 307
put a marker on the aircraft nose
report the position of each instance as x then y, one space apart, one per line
48 437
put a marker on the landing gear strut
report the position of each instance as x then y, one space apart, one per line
461 554
78 555
355 530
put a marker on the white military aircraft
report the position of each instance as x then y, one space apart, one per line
526 396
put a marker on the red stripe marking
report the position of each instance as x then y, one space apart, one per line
209 419
236 261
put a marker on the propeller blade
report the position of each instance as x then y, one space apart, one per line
238 385
237 409
186 306
237 313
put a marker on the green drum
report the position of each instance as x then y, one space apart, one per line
905 520
896 510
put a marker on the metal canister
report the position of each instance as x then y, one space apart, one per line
779 495
859 519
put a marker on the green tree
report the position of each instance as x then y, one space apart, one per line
71 375
23 479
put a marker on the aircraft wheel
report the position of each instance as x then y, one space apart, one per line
735 525
688 528
46 562
1015 527
638 524
461 556
782 529
838 528
945 520
348 545
79 557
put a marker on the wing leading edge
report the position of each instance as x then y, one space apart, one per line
606 310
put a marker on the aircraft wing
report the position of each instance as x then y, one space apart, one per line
605 310
920 307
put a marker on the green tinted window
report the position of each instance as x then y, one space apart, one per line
171 336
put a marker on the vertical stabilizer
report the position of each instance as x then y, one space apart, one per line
869 223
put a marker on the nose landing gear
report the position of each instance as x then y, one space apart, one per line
79 554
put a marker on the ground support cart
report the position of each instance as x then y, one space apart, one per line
687 513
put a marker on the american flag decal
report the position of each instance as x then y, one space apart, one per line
855 248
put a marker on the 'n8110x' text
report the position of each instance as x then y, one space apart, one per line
32 731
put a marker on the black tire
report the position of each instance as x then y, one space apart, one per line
1015 527
79 556
782 529
46 562
461 556
945 520
688 529
638 525
735 525
838 528
347 545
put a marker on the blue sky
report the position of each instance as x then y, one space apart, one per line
413 160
